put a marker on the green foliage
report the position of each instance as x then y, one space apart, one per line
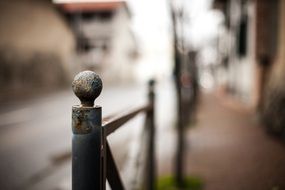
190 183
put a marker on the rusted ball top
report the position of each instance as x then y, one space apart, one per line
87 86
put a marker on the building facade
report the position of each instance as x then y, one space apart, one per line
236 47
36 46
255 56
105 42
273 108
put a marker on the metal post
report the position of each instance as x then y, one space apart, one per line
177 74
88 165
151 171
179 173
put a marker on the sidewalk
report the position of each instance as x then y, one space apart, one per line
228 150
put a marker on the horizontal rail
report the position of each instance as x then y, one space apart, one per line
116 122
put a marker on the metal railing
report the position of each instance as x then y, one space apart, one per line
92 159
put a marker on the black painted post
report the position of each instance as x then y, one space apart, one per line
151 168
87 148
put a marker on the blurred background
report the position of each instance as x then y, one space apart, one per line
227 56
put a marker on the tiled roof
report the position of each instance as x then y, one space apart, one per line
73 7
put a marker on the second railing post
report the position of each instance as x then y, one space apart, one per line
151 171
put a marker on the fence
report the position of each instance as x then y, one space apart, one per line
92 159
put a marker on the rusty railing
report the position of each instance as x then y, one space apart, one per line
92 159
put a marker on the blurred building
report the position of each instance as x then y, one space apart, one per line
252 55
105 41
35 46
236 48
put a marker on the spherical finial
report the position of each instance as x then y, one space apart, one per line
87 86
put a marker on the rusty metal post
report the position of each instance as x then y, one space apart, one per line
88 159
151 168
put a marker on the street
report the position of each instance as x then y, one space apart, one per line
36 132
36 135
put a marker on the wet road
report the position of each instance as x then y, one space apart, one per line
36 132
35 137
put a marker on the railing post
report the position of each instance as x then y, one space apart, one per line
88 159
179 164
151 168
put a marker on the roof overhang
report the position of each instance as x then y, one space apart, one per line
91 6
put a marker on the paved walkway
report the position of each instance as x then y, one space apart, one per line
229 150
